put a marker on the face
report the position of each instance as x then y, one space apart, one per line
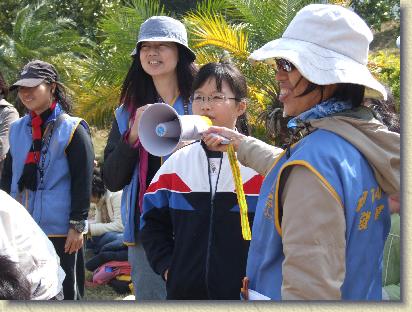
221 108
291 85
37 99
159 58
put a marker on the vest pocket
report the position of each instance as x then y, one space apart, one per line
52 211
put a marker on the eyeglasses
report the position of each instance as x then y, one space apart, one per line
214 99
282 64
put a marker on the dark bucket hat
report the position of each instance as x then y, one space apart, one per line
163 28
34 73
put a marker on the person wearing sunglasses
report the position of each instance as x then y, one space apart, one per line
322 216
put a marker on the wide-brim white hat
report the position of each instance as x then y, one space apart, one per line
328 44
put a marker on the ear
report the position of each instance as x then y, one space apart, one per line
52 87
241 108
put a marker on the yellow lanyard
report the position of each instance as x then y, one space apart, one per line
244 220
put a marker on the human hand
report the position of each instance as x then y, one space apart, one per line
134 130
74 241
165 274
214 142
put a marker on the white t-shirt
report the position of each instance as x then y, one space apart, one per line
24 242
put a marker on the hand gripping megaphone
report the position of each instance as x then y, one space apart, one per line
161 128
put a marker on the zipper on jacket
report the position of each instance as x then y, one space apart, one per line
212 208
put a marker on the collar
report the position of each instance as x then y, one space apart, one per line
209 153
323 109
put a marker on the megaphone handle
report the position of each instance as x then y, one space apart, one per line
225 140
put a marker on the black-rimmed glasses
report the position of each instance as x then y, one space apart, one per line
214 99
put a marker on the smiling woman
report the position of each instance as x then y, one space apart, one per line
162 70
54 183
323 208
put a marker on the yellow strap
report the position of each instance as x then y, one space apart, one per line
244 220
174 100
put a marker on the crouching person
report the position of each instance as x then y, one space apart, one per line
24 243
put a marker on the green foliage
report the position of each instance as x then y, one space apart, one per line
105 68
238 27
35 36
94 66
178 7
386 67
376 12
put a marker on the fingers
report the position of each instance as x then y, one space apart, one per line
67 245
214 142
74 242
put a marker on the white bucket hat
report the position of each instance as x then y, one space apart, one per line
163 28
328 44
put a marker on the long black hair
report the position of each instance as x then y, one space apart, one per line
63 98
385 111
138 88
226 71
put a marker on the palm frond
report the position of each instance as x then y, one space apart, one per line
212 29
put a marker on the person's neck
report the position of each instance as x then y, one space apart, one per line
167 88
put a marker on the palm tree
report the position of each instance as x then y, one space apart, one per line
100 77
215 27
237 27
36 36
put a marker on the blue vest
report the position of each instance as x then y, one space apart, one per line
50 204
130 191
349 177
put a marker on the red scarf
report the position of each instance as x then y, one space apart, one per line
28 178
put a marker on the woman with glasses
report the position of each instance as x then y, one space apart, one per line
190 227
162 70
322 216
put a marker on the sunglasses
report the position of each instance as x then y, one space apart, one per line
282 64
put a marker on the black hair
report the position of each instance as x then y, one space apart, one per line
228 72
65 101
138 88
385 111
348 92
60 94
4 90
98 187
13 283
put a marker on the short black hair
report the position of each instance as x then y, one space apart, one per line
225 71
13 283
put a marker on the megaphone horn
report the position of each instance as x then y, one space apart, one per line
161 128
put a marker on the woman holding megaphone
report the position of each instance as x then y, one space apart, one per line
322 216
162 71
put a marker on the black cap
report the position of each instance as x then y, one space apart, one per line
34 73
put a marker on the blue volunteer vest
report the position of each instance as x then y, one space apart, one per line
50 204
349 177
130 191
